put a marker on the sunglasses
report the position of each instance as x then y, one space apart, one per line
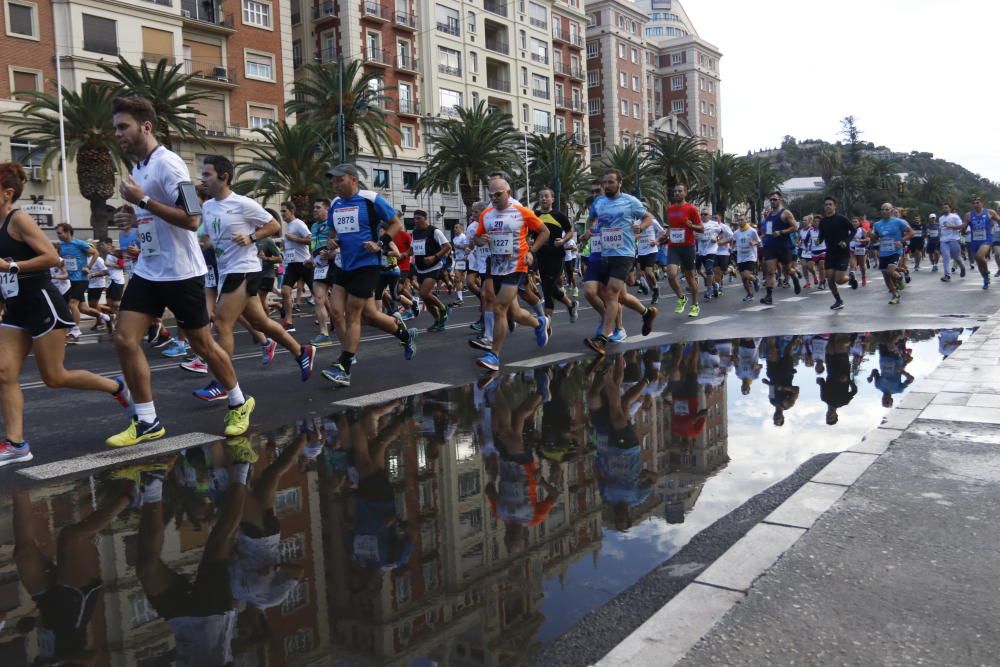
774 200
494 195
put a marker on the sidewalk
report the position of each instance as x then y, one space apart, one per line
888 556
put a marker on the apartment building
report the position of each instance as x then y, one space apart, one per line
239 52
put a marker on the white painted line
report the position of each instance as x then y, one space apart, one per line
750 557
756 309
639 338
672 631
115 456
792 299
546 360
390 395
708 320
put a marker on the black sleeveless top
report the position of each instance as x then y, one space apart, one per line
19 251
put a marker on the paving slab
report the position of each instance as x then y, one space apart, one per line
876 441
845 469
750 557
803 507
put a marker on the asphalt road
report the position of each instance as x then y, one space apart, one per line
63 423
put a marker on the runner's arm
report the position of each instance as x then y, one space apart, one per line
24 228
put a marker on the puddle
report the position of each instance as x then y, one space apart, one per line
468 524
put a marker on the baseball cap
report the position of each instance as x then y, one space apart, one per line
345 169
933 216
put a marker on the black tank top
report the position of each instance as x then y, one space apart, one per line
19 251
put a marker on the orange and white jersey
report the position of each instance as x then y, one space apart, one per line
508 230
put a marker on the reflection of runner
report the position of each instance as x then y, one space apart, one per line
781 359
948 341
838 388
891 377
748 364
687 420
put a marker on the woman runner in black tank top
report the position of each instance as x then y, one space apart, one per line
34 313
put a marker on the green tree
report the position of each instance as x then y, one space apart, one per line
763 180
852 134
467 149
316 99
90 140
725 180
553 161
639 178
288 163
829 160
166 86
881 174
937 190
676 159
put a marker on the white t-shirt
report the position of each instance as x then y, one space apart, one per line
204 641
460 244
116 274
725 240
746 250
235 214
950 224
296 252
708 240
61 285
253 577
167 252
99 282
646 240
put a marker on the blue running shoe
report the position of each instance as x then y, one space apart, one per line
305 361
213 392
337 374
542 331
410 346
176 349
489 361
11 453
618 336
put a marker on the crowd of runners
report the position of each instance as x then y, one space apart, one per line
199 258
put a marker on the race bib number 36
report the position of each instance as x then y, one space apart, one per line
345 220
148 240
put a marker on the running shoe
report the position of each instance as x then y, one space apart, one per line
122 395
154 331
305 361
894 300
574 310
598 344
267 352
961 269
986 281
795 282
489 361
934 268
946 278
649 316
164 339
681 305
437 327
72 338
337 374
756 285
837 305
322 340
542 331
477 327
695 310
852 281
213 392
767 301
176 349
409 347
405 315
807 284
864 281
238 418
618 336
11 453
748 297
906 277
444 317
195 365
543 380
656 296
481 343
288 326
241 449
137 431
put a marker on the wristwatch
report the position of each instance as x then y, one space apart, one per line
253 237
13 268
142 203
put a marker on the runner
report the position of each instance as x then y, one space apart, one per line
747 241
933 242
33 318
683 221
324 270
835 232
505 226
979 222
859 252
552 255
297 258
890 233
615 214
647 248
461 245
917 242
169 274
430 246
234 223
722 257
479 260
804 247
270 259
777 245
77 257
116 275
951 249
97 282
707 244
356 215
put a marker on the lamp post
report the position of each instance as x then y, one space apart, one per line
527 174
340 102
62 140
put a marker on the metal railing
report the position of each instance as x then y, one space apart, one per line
324 9
496 83
498 46
538 23
406 20
540 58
574 72
540 92
378 56
451 27
409 106
406 61
542 129
449 70
498 7
375 10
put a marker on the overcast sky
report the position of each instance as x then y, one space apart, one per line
917 74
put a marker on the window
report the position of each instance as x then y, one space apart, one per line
260 116
522 39
260 66
257 12
703 107
447 20
593 107
676 58
560 125
621 50
21 19
25 80
560 93
538 16
636 112
100 35
449 61
577 99
635 56
449 99
380 178
677 106
524 76
557 60
540 86
474 62
524 113
409 180
26 153
471 21
591 49
711 110
625 140
623 79
595 147
297 53
475 99
406 104
711 86
635 83
539 51
624 105
542 120
592 78
677 82
701 83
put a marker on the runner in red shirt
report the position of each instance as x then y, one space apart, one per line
683 220
403 241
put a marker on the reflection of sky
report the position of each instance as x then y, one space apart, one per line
760 454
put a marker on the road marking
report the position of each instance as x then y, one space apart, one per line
545 360
708 320
639 338
792 299
390 395
756 309
117 456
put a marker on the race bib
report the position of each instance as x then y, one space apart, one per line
681 408
419 247
129 268
978 234
613 239
211 280
743 243
887 245
645 244
768 228
9 286
933 233
148 241
366 547
460 265
345 220
321 272
502 243
677 235
71 265
595 243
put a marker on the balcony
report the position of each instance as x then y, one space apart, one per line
498 83
204 15
539 23
540 58
451 28
498 46
498 7
560 35
573 72
408 108
562 102
375 11
406 21
211 74
218 130
449 70
325 10
296 18
378 58
576 138
451 112
540 93
406 62
154 58
542 129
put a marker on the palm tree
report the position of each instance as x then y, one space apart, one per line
849 186
166 86
317 100
937 189
676 158
638 175
725 180
881 174
554 163
764 179
467 149
286 164
829 160
90 140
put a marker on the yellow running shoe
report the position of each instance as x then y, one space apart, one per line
137 432
241 449
238 419
681 305
695 310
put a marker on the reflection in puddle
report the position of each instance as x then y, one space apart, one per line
465 525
